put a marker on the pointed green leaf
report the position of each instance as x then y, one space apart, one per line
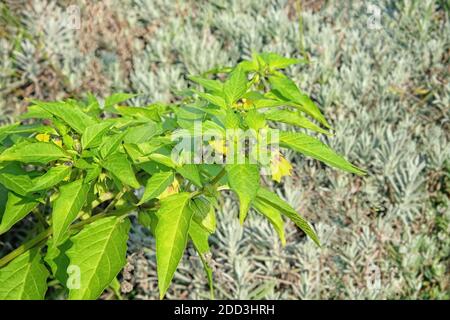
190 172
111 144
164 160
286 89
92 135
208 84
276 202
204 214
314 148
35 112
294 118
273 215
99 251
66 207
24 278
142 133
275 61
232 120
51 178
156 185
119 166
174 219
244 180
57 259
151 112
117 98
236 85
255 120
199 238
214 99
16 209
14 178
74 117
37 152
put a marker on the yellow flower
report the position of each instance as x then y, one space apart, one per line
43 137
172 189
247 104
219 146
243 104
279 167
58 142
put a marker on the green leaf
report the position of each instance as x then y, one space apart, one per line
31 128
67 206
99 251
208 84
273 215
142 133
37 152
117 98
204 214
287 89
244 180
119 166
16 209
148 219
57 259
231 120
3 200
156 185
190 172
294 118
249 65
276 202
93 172
199 238
216 100
14 178
174 219
74 117
111 144
314 148
151 112
236 85
35 112
24 278
255 120
275 61
163 159
51 178
92 135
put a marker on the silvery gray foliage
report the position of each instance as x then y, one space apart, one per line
387 93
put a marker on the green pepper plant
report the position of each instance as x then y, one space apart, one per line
77 171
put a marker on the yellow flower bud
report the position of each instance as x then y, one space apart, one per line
279 167
43 137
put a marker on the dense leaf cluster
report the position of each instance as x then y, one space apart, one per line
83 167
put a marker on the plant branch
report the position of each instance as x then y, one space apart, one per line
218 177
41 237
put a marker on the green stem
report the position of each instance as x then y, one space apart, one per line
41 219
26 246
300 30
218 177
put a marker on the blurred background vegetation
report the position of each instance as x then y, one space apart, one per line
378 69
